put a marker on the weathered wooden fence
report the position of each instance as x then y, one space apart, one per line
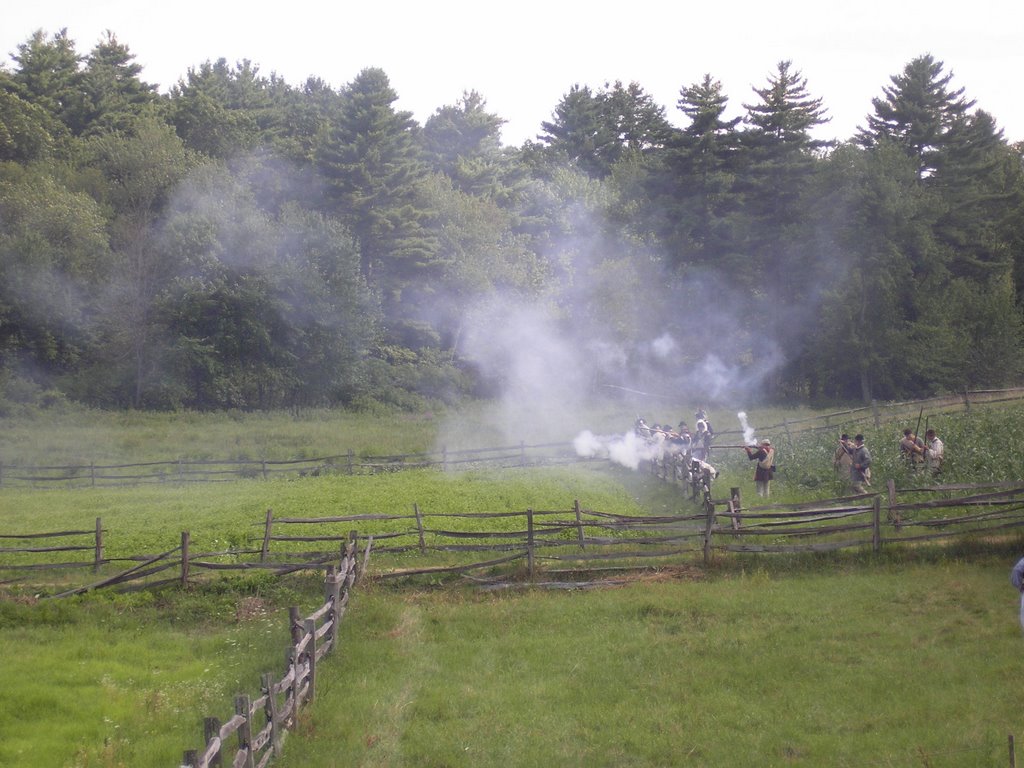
182 471
533 541
25 544
522 454
580 536
259 725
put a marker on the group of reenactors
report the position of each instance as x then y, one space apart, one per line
922 454
853 456
679 440
686 452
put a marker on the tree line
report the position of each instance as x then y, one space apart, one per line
241 242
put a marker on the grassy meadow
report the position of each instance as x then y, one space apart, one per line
855 664
904 659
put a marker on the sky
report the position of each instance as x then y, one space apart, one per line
523 57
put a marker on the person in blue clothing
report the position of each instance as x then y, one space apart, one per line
1017 579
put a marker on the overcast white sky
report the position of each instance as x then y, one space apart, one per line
522 57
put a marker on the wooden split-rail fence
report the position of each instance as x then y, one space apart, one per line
255 734
183 470
531 542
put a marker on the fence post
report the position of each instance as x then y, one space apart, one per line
310 628
99 546
967 401
332 595
876 525
579 524
352 546
92 472
419 527
444 458
530 564
181 472
265 549
270 710
366 556
190 759
243 707
184 558
710 524
893 514
734 507
264 467
1013 753
351 458
522 454
877 415
211 728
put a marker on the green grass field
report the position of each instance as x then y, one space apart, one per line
908 659
870 664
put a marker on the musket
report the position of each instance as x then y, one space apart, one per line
917 430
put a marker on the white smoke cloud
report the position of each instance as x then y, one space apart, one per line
664 345
541 369
628 449
748 431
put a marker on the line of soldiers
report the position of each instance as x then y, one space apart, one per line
684 452
679 439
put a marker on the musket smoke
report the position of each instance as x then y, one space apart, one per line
628 449
748 431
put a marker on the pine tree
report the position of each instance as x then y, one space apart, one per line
372 161
463 141
695 183
115 95
919 112
48 75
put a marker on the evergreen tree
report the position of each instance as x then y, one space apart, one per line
578 132
919 111
371 159
595 131
463 141
694 186
48 75
778 162
221 110
115 96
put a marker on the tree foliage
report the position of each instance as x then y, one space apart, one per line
239 242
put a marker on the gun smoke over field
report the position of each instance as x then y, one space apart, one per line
628 449
748 431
